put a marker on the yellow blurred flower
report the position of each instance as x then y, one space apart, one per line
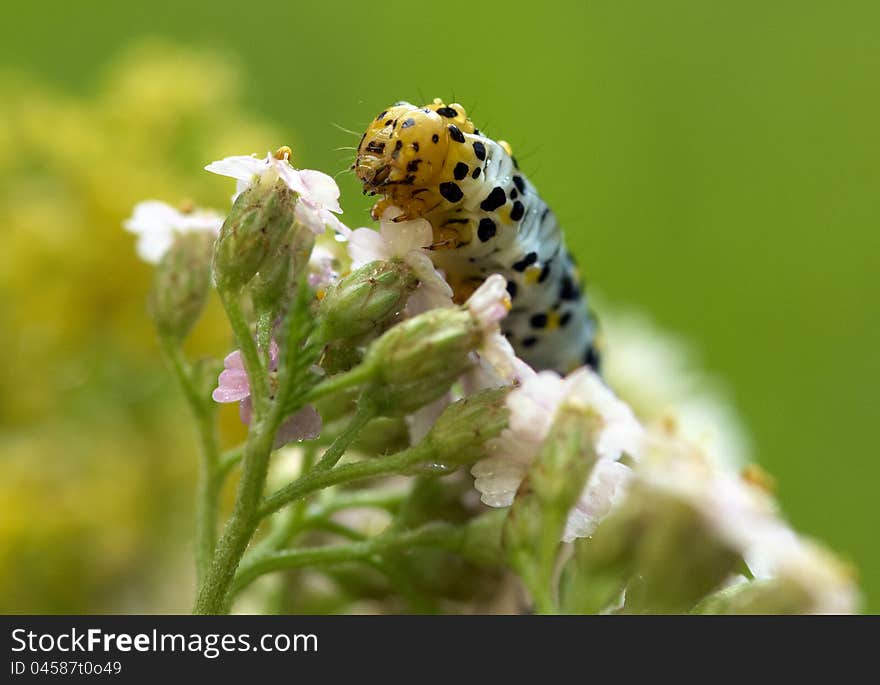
90 436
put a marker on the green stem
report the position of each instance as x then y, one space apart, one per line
257 375
387 500
289 521
330 526
317 480
544 604
213 593
440 534
359 375
210 475
264 335
362 415
229 460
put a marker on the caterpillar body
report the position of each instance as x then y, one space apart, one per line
486 218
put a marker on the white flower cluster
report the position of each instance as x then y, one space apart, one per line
673 433
534 406
743 515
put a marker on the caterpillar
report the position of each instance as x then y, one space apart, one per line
486 218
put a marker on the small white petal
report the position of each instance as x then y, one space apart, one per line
310 217
490 302
320 189
364 246
241 167
291 177
156 223
406 236
605 488
429 278
151 247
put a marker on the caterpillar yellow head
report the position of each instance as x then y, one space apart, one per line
408 145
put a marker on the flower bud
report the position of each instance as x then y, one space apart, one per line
274 284
809 580
257 225
181 283
678 559
366 300
558 475
460 433
756 597
659 548
550 490
418 360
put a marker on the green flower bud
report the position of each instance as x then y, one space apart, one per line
656 546
773 596
558 475
366 300
678 560
551 488
808 579
460 433
181 283
256 227
274 284
418 360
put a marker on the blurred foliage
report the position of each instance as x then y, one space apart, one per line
97 464
715 165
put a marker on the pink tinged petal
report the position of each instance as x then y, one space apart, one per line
498 351
306 424
320 189
524 372
233 360
308 216
365 246
533 405
318 218
246 411
321 272
232 386
490 302
291 177
241 167
315 219
604 489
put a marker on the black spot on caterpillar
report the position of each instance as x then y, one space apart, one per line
476 191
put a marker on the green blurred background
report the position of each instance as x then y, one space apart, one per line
715 164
